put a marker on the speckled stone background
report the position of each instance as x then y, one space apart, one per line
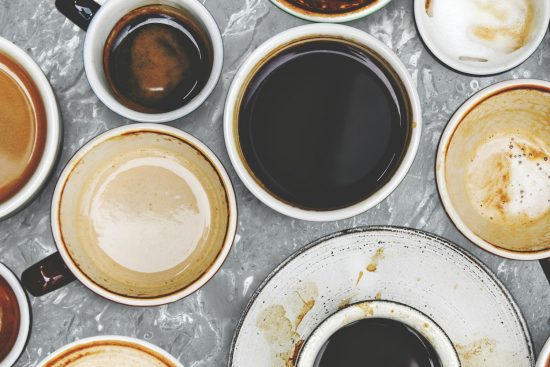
198 329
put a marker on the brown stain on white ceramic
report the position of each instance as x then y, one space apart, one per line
72 355
475 353
378 296
280 330
375 259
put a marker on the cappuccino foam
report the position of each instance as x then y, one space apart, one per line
498 169
480 30
109 354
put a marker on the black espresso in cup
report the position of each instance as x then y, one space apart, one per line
157 58
377 342
324 124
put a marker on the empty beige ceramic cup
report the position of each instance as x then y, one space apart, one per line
142 215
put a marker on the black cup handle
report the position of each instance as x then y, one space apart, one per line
545 264
80 12
47 275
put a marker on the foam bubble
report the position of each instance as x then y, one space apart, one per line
480 30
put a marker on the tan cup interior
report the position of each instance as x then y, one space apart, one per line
79 230
504 198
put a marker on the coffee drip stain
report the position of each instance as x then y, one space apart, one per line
359 277
278 329
373 265
429 8
331 6
474 354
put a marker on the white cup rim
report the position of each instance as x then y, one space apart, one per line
25 314
116 338
331 18
53 131
320 29
407 315
105 94
477 69
160 300
446 138
544 355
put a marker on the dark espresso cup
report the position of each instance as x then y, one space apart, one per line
149 60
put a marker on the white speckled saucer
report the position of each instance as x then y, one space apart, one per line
408 266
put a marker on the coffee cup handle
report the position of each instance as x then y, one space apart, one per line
47 275
545 264
80 12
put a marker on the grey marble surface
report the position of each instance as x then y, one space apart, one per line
198 329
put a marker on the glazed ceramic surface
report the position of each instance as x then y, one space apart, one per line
198 330
411 267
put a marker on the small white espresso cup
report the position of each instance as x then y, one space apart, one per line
381 310
53 130
110 348
98 21
269 49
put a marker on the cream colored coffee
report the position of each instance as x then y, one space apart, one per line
144 214
498 169
110 354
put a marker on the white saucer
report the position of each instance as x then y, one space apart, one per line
408 266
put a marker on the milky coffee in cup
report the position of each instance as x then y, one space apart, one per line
109 353
144 214
497 168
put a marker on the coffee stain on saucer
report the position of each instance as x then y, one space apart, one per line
366 308
378 296
475 353
344 303
359 277
373 265
279 327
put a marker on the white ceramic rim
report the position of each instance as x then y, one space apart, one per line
526 52
198 283
119 338
544 355
106 95
320 29
332 18
446 137
53 131
25 313
380 309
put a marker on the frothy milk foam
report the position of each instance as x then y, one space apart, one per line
497 169
480 30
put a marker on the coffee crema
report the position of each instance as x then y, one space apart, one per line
497 169
377 342
157 58
144 214
480 30
330 6
109 353
22 127
323 124
10 318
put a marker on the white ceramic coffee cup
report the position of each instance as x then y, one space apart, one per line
544 355
25 317
61 268
510 61
444 143
384 310
331 18
98 340
248 69
98 31
53 131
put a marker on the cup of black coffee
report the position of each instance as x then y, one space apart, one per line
149 60
322 122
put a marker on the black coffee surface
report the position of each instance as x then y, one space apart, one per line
323 125
156 59
377 343
330 6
